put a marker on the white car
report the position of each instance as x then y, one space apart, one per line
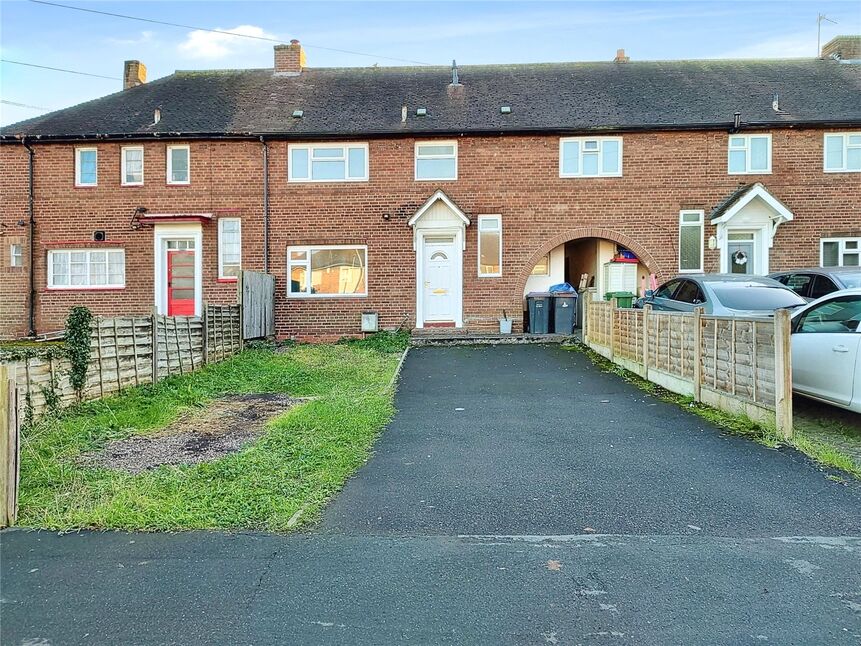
826 349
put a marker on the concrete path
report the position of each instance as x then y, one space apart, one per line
559 506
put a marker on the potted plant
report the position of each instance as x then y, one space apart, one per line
505 324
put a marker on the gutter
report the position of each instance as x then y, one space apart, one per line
31 212
344 136
265 204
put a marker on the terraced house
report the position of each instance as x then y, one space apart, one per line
431 196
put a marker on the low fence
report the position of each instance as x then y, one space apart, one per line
740 365
130 351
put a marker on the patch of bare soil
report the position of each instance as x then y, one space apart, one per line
223 427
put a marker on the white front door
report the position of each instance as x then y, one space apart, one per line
441 279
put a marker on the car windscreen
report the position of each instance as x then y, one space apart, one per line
756 297
851 280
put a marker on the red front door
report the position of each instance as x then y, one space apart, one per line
180 283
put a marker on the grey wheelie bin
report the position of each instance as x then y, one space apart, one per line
564 312
540 308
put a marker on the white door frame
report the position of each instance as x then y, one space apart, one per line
457 264
761 239
180 231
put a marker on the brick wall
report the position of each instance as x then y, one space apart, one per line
516 176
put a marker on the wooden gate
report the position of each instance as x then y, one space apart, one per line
257 298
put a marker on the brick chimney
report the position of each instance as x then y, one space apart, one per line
134 74
844 48
289 59
620 57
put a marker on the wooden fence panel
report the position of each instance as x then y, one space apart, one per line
257 297
737 364
122 354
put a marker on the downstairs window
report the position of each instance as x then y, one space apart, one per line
327 271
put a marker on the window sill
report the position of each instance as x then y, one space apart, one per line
328 181
86 186
135 185
177 183
323 297
226 280
605 176
436 179
841 170
84 289
750 172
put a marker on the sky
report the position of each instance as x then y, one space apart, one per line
383 33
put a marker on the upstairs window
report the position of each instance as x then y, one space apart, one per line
178 165
86 268
691 241
328 163
132 165
840 252
842 153
436 161
590 157
327 271
749 154
489 245
86 167
229 247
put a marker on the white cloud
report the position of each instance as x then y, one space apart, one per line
798 45
144 38
211 46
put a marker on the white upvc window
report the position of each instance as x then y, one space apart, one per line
489 245
435 160
327 271
86 167
179 164
590 157
131 166
16 255
840 252
842 152
542 267
229 248
327 163
86 268
691 224
749 154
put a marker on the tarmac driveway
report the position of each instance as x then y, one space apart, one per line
519 496
529 439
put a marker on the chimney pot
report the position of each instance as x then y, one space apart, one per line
134 74
289 59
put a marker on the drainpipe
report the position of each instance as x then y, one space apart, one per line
265 205
31 211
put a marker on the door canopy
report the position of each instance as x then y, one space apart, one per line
438 212
752 205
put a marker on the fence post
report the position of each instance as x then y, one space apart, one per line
698 353
205 334
612 328
154 345
584 296
647 311
782 374
9 448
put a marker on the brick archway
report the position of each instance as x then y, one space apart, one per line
586 232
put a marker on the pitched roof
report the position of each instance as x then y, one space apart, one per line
555 97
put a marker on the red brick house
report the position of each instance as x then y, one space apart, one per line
430 196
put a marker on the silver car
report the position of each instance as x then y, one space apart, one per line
723 295
826 349
814 282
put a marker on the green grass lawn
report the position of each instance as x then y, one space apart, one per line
303 458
